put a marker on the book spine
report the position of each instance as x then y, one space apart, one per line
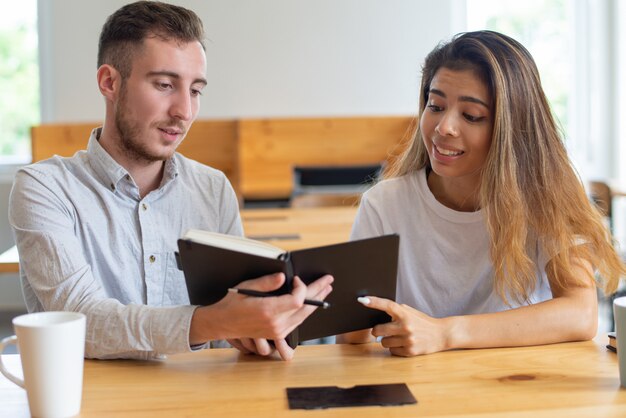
293 338
286 257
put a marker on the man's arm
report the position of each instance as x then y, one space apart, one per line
58 277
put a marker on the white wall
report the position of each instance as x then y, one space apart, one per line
265 58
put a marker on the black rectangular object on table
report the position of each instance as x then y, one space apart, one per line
322 397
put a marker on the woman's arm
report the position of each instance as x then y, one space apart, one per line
570 316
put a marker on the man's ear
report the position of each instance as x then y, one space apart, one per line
109 81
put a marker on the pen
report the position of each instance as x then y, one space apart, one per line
250 292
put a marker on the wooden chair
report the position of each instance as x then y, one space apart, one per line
601 195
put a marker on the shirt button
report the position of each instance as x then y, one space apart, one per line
144 206
152 259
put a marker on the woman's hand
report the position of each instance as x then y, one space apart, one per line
410 332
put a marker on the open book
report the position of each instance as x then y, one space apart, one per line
213 263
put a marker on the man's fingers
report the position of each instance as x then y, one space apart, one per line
284 312
321 295
248 344
238 345
320 290
263 347
264 284
298 289
319 287
286 352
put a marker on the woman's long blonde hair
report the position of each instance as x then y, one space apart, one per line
529 189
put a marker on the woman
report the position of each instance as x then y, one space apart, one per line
498 239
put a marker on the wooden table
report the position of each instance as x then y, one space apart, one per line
561 380
9 261
287 228
296 228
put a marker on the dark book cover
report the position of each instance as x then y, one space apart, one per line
362 267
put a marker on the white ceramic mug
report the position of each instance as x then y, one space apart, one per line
619 315
52 349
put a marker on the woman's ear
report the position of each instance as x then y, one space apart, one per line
109 81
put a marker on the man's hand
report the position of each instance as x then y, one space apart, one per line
262 347
248 321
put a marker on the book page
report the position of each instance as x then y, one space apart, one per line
234 243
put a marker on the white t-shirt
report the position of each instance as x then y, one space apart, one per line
444 263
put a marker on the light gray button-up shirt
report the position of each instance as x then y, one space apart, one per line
88 242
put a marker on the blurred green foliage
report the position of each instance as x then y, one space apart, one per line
19 89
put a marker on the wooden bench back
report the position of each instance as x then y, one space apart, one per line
211 142
258 155
270 148
59 139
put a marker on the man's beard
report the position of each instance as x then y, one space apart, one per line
129 133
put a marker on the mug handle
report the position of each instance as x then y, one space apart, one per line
8 341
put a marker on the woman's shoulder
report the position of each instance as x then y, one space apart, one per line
395 187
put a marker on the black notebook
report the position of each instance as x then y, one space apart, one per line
212 263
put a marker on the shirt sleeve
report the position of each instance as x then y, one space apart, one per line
368 222
53 266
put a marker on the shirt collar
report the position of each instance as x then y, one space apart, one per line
111 172
170 172
105 167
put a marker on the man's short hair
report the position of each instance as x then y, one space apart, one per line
125 30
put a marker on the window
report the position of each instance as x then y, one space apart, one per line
577 49
543 27
19 81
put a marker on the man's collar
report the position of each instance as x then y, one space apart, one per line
111 172
105 167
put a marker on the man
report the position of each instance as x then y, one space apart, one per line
97 232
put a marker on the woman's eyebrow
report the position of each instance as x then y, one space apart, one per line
461 98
